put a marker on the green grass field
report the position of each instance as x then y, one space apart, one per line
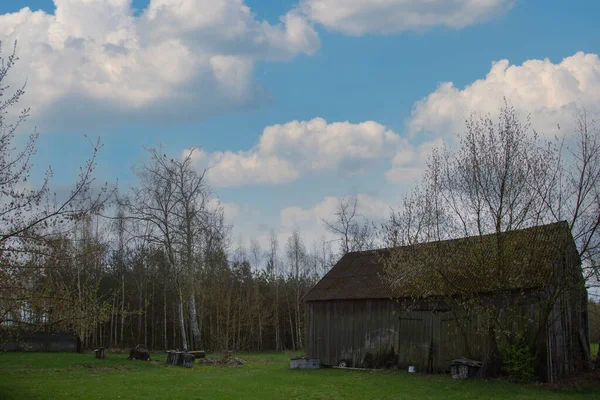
265 376
594 349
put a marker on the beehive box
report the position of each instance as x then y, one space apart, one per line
304 363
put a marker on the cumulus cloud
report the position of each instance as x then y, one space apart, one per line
286 152
359 17
550 92
177 59
409 163
230 210
367 207
309 221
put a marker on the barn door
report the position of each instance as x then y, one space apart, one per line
418 340
453 344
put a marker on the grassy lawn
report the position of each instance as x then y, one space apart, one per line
594 348
265 376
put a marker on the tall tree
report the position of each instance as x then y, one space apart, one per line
191 196
155 202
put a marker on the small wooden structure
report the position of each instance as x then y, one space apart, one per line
34 339
140 352
304 363
463 368
356 316
185 358
100 354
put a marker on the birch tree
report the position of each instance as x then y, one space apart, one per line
155 202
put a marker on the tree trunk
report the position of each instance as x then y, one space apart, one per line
153 343
239 327
278 346
291 321
194 319
201 320
298 321
121 343
146 315
182 322
139 321
491 363
165 336
112 319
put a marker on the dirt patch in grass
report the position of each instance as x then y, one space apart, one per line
224 361
106 368
36 370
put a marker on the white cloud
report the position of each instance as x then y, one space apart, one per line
178 59
230 210
409 164
550 92
229 169
286 152
309 221
359 17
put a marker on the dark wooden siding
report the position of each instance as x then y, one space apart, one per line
568 322
378 333
362 333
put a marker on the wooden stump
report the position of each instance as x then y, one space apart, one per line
188 360
100 353
171 357
140 352
175 357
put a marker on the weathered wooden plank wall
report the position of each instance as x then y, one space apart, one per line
376 333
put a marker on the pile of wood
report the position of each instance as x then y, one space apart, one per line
140 352
228 359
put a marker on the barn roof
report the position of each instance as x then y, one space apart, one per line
458 266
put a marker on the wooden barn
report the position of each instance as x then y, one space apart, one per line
365 316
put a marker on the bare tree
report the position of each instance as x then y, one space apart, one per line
297 258
155 202
191 197
347 227
274 273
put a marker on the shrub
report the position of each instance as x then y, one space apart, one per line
517 362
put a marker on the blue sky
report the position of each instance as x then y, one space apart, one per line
389 64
